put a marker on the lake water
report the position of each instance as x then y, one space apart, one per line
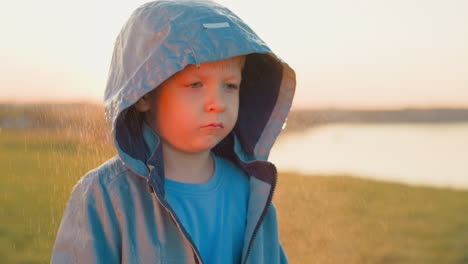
418 154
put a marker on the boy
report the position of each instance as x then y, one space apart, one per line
195 101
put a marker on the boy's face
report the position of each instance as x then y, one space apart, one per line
196 108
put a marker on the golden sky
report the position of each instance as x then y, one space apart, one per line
368 53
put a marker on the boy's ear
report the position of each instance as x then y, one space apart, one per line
143 104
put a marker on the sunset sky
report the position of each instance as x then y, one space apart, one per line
368 53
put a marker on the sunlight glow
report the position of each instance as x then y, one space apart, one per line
367 53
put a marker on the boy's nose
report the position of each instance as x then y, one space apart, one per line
215 100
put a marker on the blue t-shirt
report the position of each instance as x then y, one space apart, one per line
214 213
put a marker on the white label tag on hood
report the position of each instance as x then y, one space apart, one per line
216 25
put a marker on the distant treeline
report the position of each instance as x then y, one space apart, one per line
301 119
84 115
51 115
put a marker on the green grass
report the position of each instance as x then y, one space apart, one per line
323 219
343 219
38 171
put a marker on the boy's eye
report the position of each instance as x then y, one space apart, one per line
195 85
232 86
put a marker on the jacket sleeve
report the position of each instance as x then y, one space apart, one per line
282 255
273 251
283 259
88 232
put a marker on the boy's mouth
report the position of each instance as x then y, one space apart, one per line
220 125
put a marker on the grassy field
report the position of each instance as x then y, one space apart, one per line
323 219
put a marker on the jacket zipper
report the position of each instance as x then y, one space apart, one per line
198 258
265 209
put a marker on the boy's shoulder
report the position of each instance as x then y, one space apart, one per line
105 174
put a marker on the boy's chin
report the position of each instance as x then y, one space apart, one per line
204 146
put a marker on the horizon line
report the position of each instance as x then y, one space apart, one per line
294 107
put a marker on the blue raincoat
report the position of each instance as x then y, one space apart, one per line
117 213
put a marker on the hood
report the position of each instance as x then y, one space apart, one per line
162 37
